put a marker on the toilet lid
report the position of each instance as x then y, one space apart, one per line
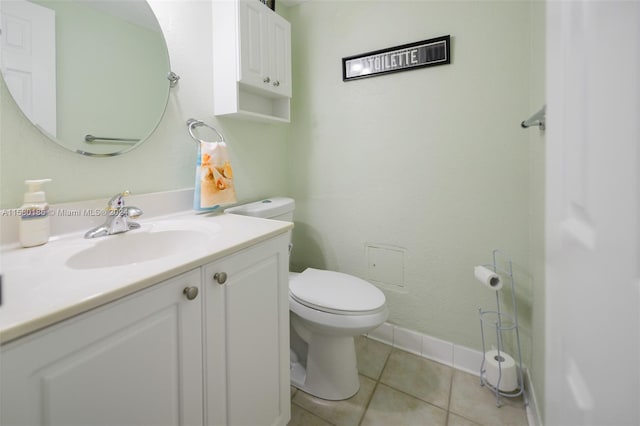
335 291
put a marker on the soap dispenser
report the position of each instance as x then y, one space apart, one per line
34 215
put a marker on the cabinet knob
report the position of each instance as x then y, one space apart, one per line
276 83
190 292
267 79
220 277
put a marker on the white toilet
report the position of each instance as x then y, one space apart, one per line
327 310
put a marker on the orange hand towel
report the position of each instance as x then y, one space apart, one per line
214 177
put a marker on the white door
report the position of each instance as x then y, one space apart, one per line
593 208
28 59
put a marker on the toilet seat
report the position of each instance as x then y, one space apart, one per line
336 293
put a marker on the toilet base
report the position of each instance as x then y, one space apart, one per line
323 350
331 370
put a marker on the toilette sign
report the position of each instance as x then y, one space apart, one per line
426 53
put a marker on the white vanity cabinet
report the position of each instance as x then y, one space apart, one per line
252 61
134 361
246 305
207 347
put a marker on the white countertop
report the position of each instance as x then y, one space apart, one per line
40 289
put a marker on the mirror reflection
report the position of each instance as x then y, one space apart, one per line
90 74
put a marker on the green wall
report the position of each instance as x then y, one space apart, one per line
537 71
167 159
431 161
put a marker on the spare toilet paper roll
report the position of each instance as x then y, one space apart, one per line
487 277
493 365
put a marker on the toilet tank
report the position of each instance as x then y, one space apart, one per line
278 208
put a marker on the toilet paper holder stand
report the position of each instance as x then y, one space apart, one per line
501 323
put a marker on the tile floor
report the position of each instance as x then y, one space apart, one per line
399 388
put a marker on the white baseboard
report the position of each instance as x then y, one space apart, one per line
447 353
533 410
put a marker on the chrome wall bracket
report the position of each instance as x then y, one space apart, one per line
173 79
537 119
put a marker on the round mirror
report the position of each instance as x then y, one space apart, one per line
92 75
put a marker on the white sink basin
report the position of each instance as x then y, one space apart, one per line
150 242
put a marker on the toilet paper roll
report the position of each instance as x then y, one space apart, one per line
487 277
494 365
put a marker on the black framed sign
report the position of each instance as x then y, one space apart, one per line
425 53
270 3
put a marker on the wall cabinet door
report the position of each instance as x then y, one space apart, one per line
280 54
265 48
246 306
134 361
254 47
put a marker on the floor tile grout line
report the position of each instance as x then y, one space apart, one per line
366 408
446 422
390 386
469 419
474 421
413 396
313 414
379 381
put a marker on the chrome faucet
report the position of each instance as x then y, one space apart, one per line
117 219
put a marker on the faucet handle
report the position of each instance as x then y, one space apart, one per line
117 201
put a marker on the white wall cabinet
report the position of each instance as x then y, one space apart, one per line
252 61
142 359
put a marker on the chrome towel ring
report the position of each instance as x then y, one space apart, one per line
192 123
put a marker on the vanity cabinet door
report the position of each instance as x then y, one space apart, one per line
246 320
132 362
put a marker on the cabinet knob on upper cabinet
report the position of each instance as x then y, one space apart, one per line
276 83
220 277
267 80
190 292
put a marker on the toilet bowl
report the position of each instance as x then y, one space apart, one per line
327 310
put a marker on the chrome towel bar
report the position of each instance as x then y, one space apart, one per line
93 139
